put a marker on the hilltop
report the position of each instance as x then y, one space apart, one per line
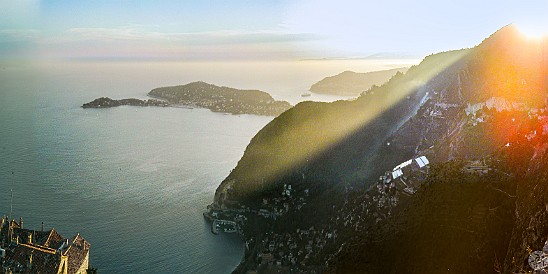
349 83
221 99
478 114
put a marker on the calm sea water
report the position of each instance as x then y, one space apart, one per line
133 181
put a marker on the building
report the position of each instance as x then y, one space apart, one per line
477 167
420 162
30 251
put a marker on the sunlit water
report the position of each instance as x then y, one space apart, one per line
133 181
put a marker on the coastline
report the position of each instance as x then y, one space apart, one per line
239 232
234 108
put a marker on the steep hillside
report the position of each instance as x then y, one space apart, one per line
333 142
490 105
479 115
326 143
349 83
457 223
530 231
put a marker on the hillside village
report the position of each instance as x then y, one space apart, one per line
297 250
312 248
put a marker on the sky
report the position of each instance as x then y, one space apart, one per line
210 30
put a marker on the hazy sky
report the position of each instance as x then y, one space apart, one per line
252 29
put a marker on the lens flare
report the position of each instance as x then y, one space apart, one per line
299 136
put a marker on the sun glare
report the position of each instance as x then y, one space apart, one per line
533 31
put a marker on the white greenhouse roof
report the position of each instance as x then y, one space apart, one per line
402 165
422 161
397 173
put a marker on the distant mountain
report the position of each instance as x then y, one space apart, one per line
478 114
221 99
350 83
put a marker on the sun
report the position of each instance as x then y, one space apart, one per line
533 31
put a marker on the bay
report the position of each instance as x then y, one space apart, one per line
133 181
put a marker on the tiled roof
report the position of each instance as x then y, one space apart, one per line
54 240
43 253
40 237
26 258
76 253
51 237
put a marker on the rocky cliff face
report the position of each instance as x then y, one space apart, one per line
482 105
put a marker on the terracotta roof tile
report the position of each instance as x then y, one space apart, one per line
54 240
43 254
30 259
76 253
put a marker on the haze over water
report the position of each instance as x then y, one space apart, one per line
134 181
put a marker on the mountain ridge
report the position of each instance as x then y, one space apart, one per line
466 110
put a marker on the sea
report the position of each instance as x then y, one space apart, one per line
134 181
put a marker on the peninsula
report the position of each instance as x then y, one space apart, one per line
105 102
204 95
221 99
351 83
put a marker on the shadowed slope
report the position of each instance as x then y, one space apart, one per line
320 142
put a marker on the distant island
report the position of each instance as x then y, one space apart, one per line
204 95
351 83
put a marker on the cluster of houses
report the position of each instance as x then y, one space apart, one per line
37 251
279 252
291 252
476 114
271 208
378 203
